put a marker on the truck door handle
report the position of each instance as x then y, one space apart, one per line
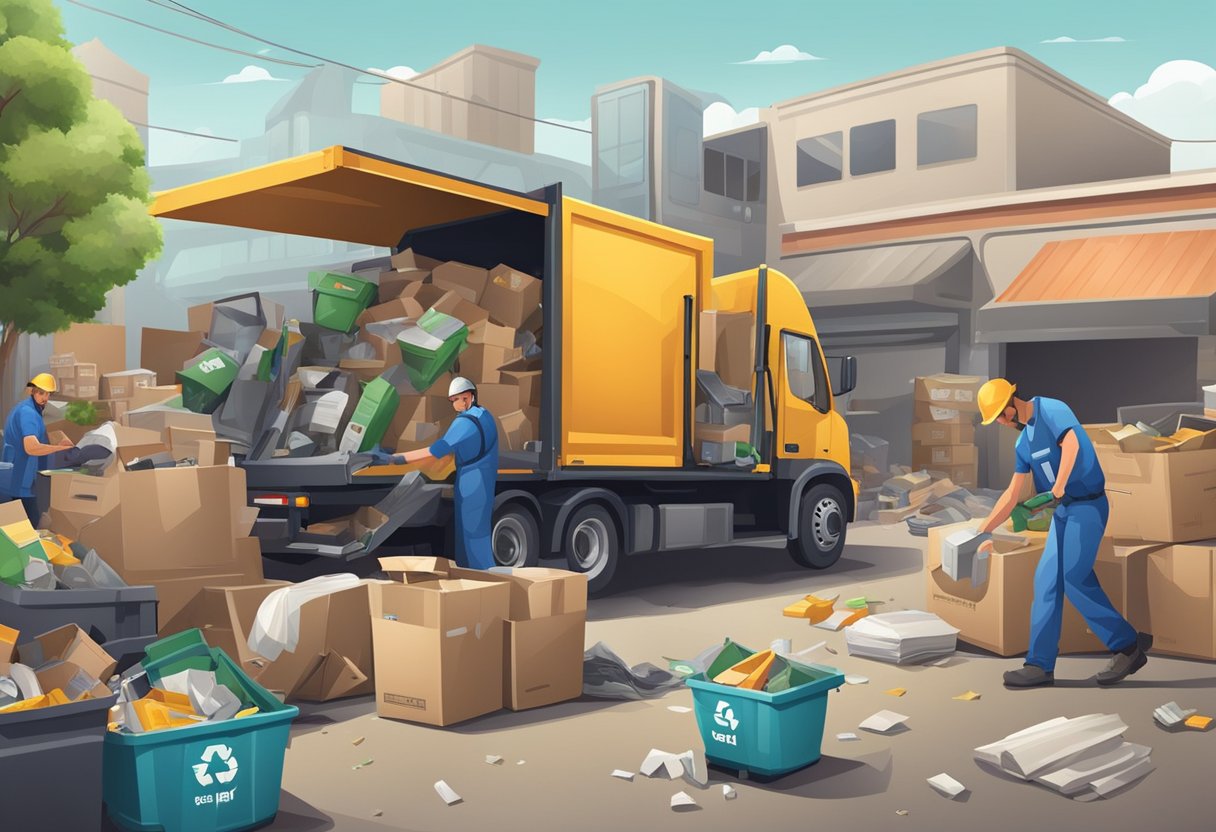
791 448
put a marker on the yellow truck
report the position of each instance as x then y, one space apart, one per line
625 366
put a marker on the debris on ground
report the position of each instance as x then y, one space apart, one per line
680 800
493 760
623 775
896 691
924 499
729 792
1171 713
811 607
848 737
947 785
521 762
781 646
856 680
607 676
841 619
358 741
902 637
446 793
363 764
1083 757
883 722
903 813
831 650
1200 723
679 709
969 696
687 765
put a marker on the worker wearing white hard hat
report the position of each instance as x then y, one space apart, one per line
26 445
473 439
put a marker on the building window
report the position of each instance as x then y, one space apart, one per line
732 176
820 159
621 140
753 181
804 370
735 186
872 147
946 135
715 171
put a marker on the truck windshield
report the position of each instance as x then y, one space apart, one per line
804 369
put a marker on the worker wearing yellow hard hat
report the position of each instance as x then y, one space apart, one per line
26 446
1056 454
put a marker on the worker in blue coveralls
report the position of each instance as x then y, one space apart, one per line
473 438
1054 450
26 446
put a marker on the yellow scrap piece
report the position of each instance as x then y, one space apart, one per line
758 678
246 712
969 696
157 716
896 691
736 675
856 616
813 607
1199 722
47 700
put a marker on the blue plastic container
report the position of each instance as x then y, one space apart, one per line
213 777
769 734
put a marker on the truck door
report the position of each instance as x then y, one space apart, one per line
804 400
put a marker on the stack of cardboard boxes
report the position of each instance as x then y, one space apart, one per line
943 433
727 342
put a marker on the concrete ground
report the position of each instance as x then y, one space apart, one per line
676 605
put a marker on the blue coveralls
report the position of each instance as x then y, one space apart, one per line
1067 564
25 420
473 437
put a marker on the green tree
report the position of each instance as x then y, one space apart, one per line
73 187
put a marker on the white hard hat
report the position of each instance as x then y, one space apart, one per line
459 385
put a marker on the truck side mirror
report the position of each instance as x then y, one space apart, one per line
844 374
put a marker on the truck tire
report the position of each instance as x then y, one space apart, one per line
591 546
821 528
515 537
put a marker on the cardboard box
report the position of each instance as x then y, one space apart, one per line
930 456
514 429
390 310
8 643
1181 589
460 308
703 432
103 345
175 591
480 362
118 408
407 259
491 334
439 658
68 643
511 296
926 413
184 442
165 351
159 421
525 373
1161 497
145 396
417 435
86 373
943 433
966 474
949 390
1122 570
467 281
433 409
499 399
120 386
727 345
62 361
393 283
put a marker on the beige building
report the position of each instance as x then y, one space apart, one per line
118 82
503 84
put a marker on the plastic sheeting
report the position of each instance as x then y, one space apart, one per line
276 628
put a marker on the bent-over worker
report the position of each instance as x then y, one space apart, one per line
1053 449
473 438
26 445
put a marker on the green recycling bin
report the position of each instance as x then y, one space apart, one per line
214 776
429 348
338 299
766 732
205 381
376 408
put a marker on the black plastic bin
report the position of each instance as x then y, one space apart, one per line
121 620
50 766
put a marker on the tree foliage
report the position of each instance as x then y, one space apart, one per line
74 192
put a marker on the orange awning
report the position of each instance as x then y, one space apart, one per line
1121 286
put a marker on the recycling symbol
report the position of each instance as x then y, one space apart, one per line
201 773
725 715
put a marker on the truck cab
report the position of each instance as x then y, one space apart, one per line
632 453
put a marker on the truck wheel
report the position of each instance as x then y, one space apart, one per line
821 528
591 546
515 538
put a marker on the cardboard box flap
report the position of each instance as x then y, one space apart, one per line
69 643
522 366
536 592
331 677
415 569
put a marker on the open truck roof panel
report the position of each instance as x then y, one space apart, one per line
372 200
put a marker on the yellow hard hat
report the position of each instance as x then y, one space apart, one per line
993 398
44 381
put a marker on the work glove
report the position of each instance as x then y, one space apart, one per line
381 457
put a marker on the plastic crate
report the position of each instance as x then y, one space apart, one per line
430 348
123 621
206 380
763 733
217 777
338 299
51 766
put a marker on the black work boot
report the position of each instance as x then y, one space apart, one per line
1125 662
1029 676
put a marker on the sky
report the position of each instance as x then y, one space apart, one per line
752 54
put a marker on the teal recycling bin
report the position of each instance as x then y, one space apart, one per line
211 777
429 349
758 732
206 380
338 299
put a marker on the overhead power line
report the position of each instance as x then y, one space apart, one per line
171 33
181 8
183 132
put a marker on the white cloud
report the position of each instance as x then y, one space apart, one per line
167 148
720 117
1178 101
784 54
250 75
1066 39
403 73
563 143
